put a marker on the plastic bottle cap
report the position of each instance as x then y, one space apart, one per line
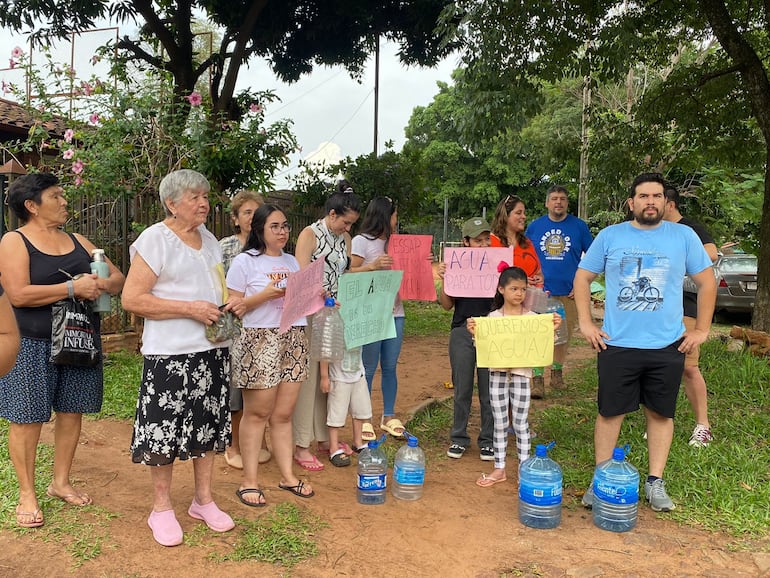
411 441
618 454
541 451
329 302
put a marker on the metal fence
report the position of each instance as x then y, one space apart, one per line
113 224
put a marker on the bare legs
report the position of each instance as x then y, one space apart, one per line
276 407
697 394
660 431
23 439
22 446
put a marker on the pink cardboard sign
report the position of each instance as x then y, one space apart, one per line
472 271
412 255
304 294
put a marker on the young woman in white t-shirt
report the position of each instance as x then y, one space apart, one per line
271 366
369 252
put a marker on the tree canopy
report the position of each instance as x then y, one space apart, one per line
294 35
606 40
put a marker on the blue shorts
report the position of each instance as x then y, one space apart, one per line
35 386
629 377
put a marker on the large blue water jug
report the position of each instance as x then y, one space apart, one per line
540 490
616 493
409 471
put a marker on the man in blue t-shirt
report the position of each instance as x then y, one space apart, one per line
560 240
643 342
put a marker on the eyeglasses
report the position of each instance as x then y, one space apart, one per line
275 228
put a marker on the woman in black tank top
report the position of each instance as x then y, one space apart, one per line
38 263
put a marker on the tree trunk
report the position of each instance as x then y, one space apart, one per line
757 88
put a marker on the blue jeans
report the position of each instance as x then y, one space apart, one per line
385 353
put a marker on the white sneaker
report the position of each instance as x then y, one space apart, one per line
701 436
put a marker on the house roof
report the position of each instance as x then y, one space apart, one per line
16 119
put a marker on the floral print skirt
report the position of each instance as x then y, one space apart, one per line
183 407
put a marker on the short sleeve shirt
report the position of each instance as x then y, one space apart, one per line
644 270
184 274
250 273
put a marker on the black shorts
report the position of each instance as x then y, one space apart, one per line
629 377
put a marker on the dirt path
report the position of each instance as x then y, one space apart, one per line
456 529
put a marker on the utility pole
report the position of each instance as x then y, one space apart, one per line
376 89
583 190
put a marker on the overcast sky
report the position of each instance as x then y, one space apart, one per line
333 115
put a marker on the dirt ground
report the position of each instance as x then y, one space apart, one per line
456 529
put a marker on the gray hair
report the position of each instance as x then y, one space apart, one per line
176 183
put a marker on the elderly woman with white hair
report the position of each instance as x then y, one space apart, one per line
175 283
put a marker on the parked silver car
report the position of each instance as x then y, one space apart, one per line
736 283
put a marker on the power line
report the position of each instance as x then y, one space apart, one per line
331 139
304 94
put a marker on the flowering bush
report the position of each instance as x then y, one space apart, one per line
131 136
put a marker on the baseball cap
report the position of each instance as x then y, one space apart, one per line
474 227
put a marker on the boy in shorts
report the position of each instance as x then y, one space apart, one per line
345 383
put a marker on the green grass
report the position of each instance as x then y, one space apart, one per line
285 535
122 375
83 533
725 487
425 318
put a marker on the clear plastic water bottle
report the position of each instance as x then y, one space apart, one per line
562 333
99 266
616 493
327 341
409 471
536 300
372 474
540 490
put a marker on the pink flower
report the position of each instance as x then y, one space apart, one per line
69 134
94 118
17 52
255 108
11 63
195 99
68 154
78 181
95 58
6 87
77 167
88 89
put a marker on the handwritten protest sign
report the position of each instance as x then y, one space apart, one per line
472 271
304 294
411 254
366 306
514 341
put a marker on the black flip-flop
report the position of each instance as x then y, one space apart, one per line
340 459
297 490
244 491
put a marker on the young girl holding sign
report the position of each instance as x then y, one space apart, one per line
509 386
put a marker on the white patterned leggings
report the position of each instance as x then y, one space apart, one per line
506 389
